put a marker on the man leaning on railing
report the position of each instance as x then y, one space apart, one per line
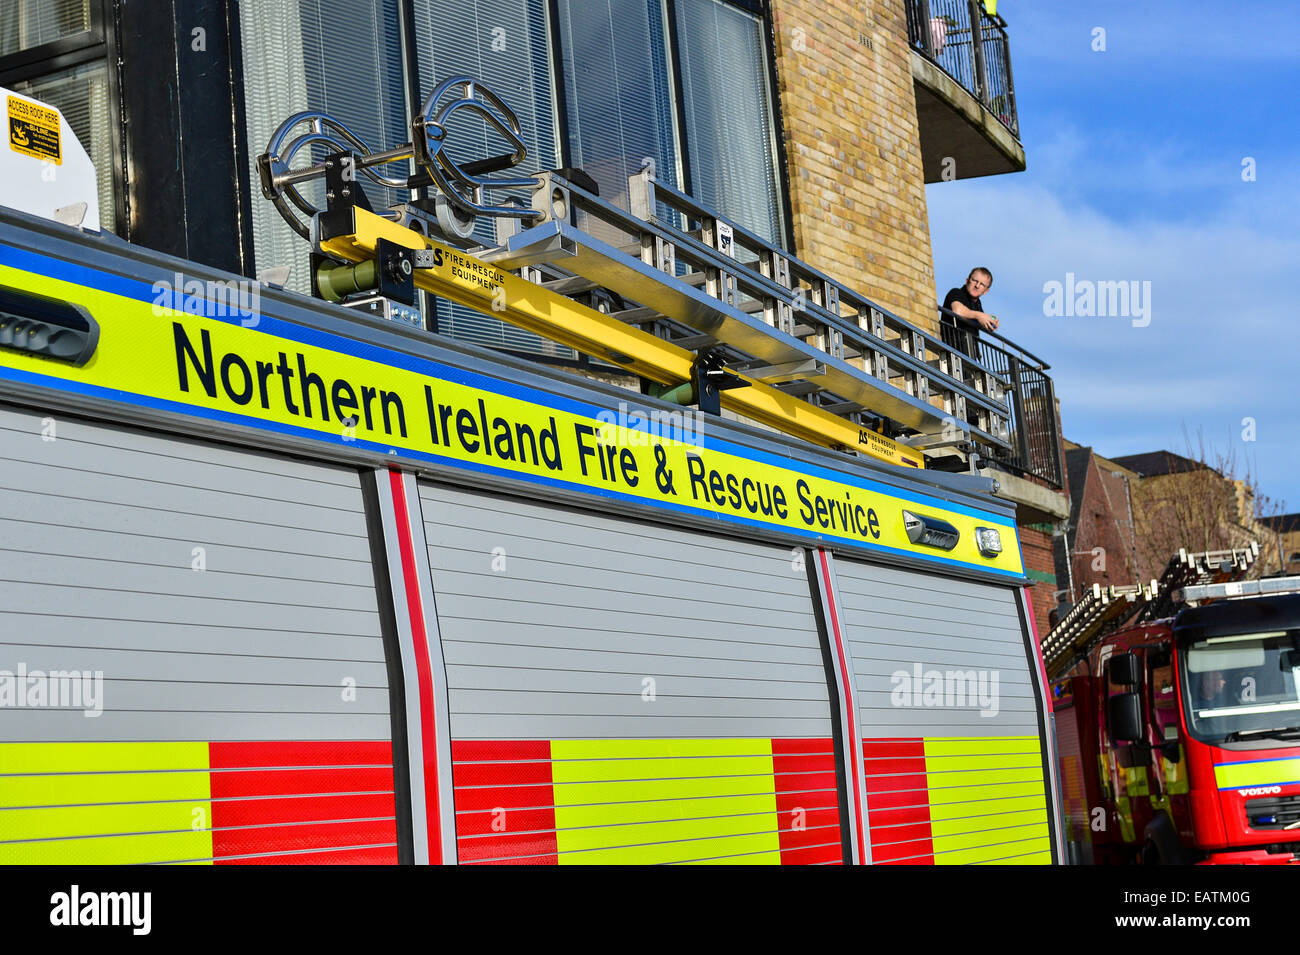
963 315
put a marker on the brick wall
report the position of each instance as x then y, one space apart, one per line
1290 548
857 189
1036 550
1116 486
1103 552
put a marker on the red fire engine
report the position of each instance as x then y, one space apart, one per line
1179 735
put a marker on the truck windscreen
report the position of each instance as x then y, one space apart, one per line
1242 686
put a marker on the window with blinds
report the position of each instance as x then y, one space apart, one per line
505 44
619 91
613 70
81 95
27 24
730 140
340 56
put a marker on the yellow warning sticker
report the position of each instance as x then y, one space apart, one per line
34 130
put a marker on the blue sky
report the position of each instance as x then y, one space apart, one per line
1135 173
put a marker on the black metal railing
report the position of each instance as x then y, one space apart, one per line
970 46
1035 437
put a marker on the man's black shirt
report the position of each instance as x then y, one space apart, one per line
961 333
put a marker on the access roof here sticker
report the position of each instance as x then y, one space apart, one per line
34 130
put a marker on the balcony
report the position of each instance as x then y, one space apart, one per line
1031 468
965 95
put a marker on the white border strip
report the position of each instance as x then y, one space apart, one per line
437 669
850 726
410 675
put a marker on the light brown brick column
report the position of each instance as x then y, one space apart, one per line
857 190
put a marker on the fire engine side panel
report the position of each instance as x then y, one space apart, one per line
600 667
227 600
628 692
951 744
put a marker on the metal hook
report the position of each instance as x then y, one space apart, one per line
280 181
429 138
461 185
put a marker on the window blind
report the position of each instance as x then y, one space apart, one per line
620 103
503 43
25 24
340 56
727 105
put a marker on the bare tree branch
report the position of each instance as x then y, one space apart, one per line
1201 504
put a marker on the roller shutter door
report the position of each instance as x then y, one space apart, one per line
625 692
1074 798
953 759
228 601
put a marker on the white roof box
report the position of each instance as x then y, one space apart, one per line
44 170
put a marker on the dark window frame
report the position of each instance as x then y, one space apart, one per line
57 50
559 88
674 45
763 9
248 190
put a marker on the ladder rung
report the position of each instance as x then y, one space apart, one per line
695 342
798 388
809 369
570 285
638 316
850 407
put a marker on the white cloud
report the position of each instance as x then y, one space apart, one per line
1075 162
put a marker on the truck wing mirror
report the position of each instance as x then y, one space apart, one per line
1124 717
1124 669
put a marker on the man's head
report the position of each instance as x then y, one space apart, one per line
978 282
1211 684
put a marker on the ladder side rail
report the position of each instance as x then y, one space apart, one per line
943 376
1098 614
654 240
893 323
691 251
798 269
908 352
691 208
827 324
909 363
896 326
899 338
1203 568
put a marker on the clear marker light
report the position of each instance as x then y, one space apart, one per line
989 541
